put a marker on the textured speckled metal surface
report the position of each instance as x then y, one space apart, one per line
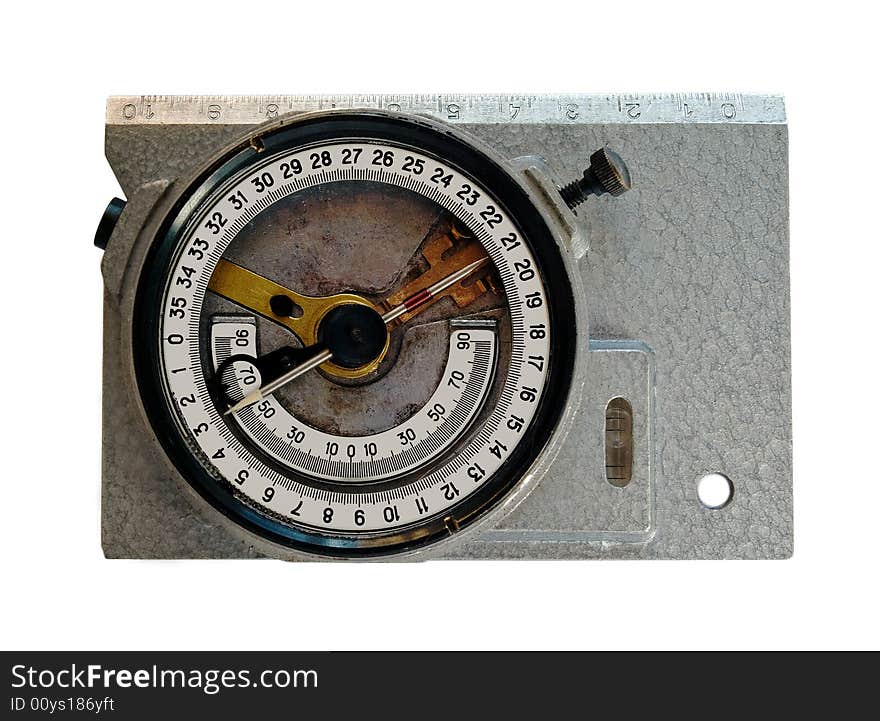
687 289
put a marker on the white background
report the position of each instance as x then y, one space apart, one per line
59 61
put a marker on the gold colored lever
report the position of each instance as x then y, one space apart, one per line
255 292
303 316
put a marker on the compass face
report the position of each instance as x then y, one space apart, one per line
354 335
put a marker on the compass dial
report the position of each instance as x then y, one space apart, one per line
357 334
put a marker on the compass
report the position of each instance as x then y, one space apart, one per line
354 332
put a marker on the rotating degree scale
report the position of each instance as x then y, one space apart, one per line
360 332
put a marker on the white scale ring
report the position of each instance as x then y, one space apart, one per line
455 475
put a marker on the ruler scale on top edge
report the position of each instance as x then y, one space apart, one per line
526 109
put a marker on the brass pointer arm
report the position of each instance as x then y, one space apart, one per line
411 305
300 313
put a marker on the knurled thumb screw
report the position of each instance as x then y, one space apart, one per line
607 174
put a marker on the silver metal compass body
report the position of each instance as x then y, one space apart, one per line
362 333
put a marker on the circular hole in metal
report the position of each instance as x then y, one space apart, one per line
284 307
715 490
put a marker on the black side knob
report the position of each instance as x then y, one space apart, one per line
108 222
607 174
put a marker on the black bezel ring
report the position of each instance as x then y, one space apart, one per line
322 128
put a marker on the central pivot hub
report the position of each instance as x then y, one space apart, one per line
354 333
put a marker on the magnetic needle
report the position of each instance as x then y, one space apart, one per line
354 332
